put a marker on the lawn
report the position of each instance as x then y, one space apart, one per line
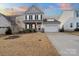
73 33
31 44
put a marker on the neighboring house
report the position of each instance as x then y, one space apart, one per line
17 23
34 18
4 23
69 20
51 25
20 22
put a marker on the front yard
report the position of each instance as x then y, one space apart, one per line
73 33
27 44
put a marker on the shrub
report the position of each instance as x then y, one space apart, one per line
29 30
77 29
8 31
61 30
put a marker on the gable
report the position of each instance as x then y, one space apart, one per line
4 22
34 10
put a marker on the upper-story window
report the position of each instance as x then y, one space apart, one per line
41 17
71 25
30 17
77 24
36 17
77 13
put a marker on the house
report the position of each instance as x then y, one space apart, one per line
34 18
20 23
14 23
17 23
69 20
4 24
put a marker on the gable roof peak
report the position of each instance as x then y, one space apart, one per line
34 9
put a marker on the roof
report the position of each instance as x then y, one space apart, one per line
34 10
52 22
11 19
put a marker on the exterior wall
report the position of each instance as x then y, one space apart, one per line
20 25
4 23
67 24
66 15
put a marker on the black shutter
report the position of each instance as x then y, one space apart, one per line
26 17
41 17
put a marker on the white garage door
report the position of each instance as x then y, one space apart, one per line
51 28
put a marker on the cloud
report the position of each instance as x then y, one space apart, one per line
65 6
22 8
13 11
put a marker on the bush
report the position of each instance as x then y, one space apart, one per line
33 30
61 30
8 31
29 30
77 29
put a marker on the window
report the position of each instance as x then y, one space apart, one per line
71 25
41 17
77 24
77 13
30 17
36 17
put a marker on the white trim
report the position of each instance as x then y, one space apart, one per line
33 26
27 26
39 17
33 16
27 17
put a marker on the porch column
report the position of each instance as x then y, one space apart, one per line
36 26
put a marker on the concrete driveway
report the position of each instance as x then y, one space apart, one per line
66 44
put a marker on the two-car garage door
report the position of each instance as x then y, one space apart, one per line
51 27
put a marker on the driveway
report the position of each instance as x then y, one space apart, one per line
66 44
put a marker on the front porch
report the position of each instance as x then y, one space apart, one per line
34 25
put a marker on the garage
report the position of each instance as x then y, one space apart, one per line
51 26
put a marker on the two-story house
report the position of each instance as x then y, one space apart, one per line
34 18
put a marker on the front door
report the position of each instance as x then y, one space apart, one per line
39 27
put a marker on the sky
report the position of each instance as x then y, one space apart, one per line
50 9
